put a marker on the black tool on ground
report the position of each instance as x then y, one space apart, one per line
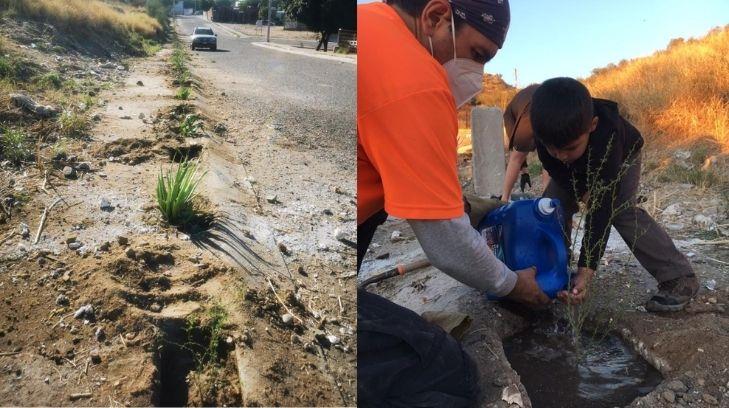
525 179
398 270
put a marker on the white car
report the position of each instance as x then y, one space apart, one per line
204 37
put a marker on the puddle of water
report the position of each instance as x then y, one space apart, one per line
605 373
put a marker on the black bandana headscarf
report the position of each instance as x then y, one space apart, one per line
490 17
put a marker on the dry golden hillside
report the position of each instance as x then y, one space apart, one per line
86 16
496 92
676 96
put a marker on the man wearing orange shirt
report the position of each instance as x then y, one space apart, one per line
418 61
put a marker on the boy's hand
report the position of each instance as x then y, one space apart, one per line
578 293
526 289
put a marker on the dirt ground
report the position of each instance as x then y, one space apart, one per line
114 307
689 348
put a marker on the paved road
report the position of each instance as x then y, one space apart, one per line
315 96
291 136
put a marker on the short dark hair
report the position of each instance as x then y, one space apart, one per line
561 110
415 8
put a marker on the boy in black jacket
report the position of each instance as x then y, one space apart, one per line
593 155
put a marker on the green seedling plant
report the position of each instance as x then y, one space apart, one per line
204 336
176 190
203 342
214 319
179 59
191 125
183 93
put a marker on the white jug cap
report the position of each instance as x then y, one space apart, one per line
545 206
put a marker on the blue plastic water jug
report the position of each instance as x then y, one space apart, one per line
529 233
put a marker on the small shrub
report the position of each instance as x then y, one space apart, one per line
88 102
16 69
176 190
72 124
15 146
209 326
205 343
159 10
183 93
577 315
691 175
59 149
7 70
150 47
344 49
71 85
50 80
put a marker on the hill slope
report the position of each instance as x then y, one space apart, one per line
678 95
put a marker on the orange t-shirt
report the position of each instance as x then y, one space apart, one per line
406 123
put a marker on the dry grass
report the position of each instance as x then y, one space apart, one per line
676 96
94 15
496 92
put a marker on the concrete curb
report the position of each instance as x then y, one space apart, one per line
291 50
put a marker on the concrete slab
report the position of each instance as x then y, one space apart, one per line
489 165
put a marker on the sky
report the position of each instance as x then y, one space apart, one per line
549 38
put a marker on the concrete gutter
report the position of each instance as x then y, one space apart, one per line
314 54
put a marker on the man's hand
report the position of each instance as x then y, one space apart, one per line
526 289
581 284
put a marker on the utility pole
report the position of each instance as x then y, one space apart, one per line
516 79
268 27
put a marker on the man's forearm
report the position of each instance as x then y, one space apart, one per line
454 247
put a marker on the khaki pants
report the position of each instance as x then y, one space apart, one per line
648 241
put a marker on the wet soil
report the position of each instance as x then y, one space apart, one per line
597 370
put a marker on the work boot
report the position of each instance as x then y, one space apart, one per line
673 295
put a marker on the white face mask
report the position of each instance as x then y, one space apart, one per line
465 76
